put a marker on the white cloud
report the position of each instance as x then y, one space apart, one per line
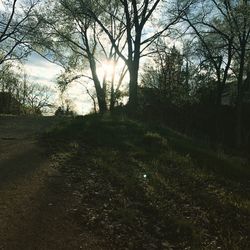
43 72
77 94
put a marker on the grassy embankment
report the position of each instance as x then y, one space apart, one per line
147 187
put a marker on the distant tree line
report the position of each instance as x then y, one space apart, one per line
19 96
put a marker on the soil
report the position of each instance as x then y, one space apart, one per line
35 200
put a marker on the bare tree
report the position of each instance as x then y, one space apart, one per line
133 17
84 43
37 98
215 40
17 22
225 40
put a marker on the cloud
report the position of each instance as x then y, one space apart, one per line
41 70
77 94
45 73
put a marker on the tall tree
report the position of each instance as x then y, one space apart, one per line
134 18
232 28
166 77
77 41
215 40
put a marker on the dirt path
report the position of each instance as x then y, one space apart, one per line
35 201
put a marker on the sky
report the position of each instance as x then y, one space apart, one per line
41 71
45 73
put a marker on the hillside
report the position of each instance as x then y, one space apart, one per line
113 183
137 186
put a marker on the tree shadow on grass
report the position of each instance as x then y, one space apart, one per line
19 160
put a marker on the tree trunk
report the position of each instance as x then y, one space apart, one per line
133 68
112 98
100 96
239 104
223 81
220 89
133 86
99 90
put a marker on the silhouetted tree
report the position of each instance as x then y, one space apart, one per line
215 39
17 23
166 77
33 98
133 16
223 29
86 45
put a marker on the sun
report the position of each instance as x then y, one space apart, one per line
108 67
111 71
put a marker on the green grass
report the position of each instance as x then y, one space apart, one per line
231 167
152 185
